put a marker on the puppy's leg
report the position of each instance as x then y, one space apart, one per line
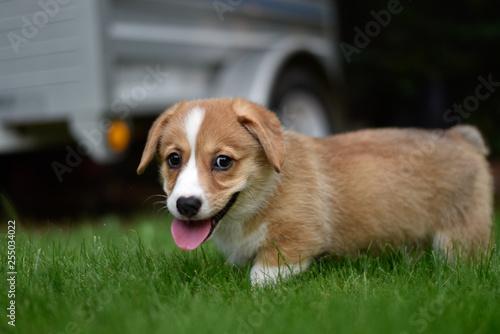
442 245
261 274
465 240
465 227
269 267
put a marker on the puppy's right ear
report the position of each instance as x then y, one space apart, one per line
155 135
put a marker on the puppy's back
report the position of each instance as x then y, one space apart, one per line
408 186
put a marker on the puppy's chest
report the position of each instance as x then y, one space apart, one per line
240 245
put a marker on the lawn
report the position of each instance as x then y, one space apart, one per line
106 277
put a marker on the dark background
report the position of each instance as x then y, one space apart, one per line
424 61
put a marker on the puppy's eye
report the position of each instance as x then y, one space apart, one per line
174 160
223 162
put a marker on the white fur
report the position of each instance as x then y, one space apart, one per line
238 247
230 234
260 275
439 243
188 183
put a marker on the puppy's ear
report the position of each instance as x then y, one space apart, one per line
265 126
155 135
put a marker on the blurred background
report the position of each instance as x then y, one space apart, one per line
82 81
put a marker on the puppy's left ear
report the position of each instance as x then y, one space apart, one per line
155 135
265 126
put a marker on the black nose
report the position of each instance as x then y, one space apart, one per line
188 206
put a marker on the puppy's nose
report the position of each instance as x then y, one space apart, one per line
188 206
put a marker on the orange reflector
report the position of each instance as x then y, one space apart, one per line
118 136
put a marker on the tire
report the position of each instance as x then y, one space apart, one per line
304 103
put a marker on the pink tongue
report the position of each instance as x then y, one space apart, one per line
189 235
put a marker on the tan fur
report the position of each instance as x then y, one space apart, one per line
339 195
154 136
265 127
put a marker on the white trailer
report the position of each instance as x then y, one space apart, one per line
77 72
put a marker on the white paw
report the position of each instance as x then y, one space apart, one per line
264 275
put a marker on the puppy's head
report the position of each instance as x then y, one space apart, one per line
211 152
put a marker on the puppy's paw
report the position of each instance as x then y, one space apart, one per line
261 275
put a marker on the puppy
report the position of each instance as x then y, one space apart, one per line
281 199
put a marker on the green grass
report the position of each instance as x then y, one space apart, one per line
106 278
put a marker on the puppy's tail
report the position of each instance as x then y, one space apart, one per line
471 135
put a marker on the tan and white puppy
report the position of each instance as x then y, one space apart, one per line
281 199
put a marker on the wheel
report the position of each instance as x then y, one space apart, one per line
304 103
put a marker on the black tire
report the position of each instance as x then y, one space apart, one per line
304 102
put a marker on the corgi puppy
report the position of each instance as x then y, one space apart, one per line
281 199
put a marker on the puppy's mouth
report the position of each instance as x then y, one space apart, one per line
190 234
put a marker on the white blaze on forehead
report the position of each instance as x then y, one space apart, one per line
192 124
188 183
